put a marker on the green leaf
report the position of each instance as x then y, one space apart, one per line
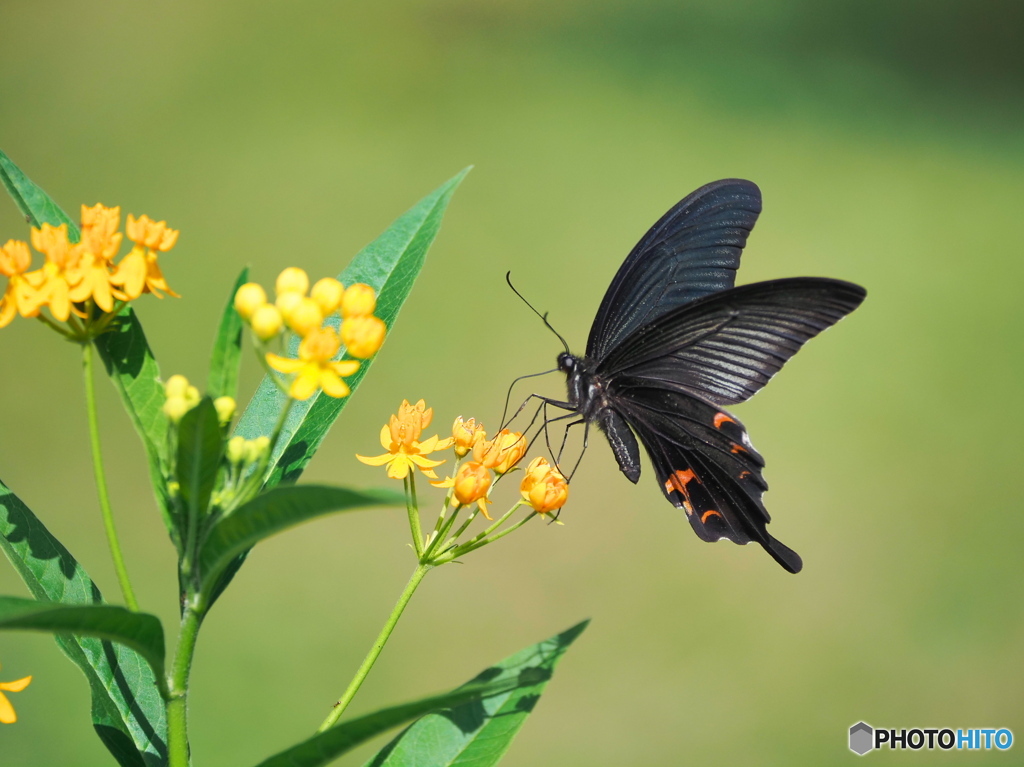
227 348
519 679
276 510
127 710
390 264
200 447
139 631
479 733
35 204
136 376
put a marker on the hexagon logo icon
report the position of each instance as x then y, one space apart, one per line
862 738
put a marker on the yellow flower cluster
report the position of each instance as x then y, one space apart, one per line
543 486
182 397
303 311
75 274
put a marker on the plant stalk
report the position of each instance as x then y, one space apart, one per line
177 703
101 482
378 645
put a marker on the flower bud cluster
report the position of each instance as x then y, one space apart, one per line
303 310
183 396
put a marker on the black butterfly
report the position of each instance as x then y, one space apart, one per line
673 342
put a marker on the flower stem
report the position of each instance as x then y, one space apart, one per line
378 645
177 702
101 481
412 507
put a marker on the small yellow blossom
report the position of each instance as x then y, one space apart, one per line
359 300
248 298
90 277
305 317
175 408
314 369
466 434
225 407
235 451
286 302
544 487
472 481
20 296
176 386
328 292
52 280
154 235
7 714
363 335
255 449
267 322
139 272
400 437
501 453
292 280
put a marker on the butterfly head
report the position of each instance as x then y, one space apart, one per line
567 363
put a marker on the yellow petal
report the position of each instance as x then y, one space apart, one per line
284 364
423 463
345 368
375 460
7 311
7 715
385 437
306 383
446 482
17 685
427 445
399 467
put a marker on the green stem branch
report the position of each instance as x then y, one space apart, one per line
413 509
177 702
101 481
378 645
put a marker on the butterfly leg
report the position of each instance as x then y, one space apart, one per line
544 400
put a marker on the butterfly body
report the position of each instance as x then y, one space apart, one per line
674 342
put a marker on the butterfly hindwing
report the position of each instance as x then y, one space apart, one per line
706 466
692 251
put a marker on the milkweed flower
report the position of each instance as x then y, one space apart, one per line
139 272
266 322
472 481
248 298
7 714
328 293
15 260
501 453
315 368
292 280
466 434
400 437
544 487
359 300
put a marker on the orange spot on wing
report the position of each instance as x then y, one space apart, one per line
677 482
721 418
706 514
738 448
744 474
688 508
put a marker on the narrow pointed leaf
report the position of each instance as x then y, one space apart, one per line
478 733
516 678
127 710
274 511
200 447
139 631
227 348
35 205
390 264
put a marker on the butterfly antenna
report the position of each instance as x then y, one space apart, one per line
544 316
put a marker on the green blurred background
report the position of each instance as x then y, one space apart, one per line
886 139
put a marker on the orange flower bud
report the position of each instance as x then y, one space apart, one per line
501 453
363 335
472 481
544 487
328 292
266 322
359 300
14 258
292 280
466 434
249 297
305 317
155 235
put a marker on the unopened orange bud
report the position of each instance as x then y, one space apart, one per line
266 322
248 298
544 487
472 481
328 293
501 453
305 317
359 300
292 280
466 434
363 335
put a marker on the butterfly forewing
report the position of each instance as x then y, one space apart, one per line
726 346
693 251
